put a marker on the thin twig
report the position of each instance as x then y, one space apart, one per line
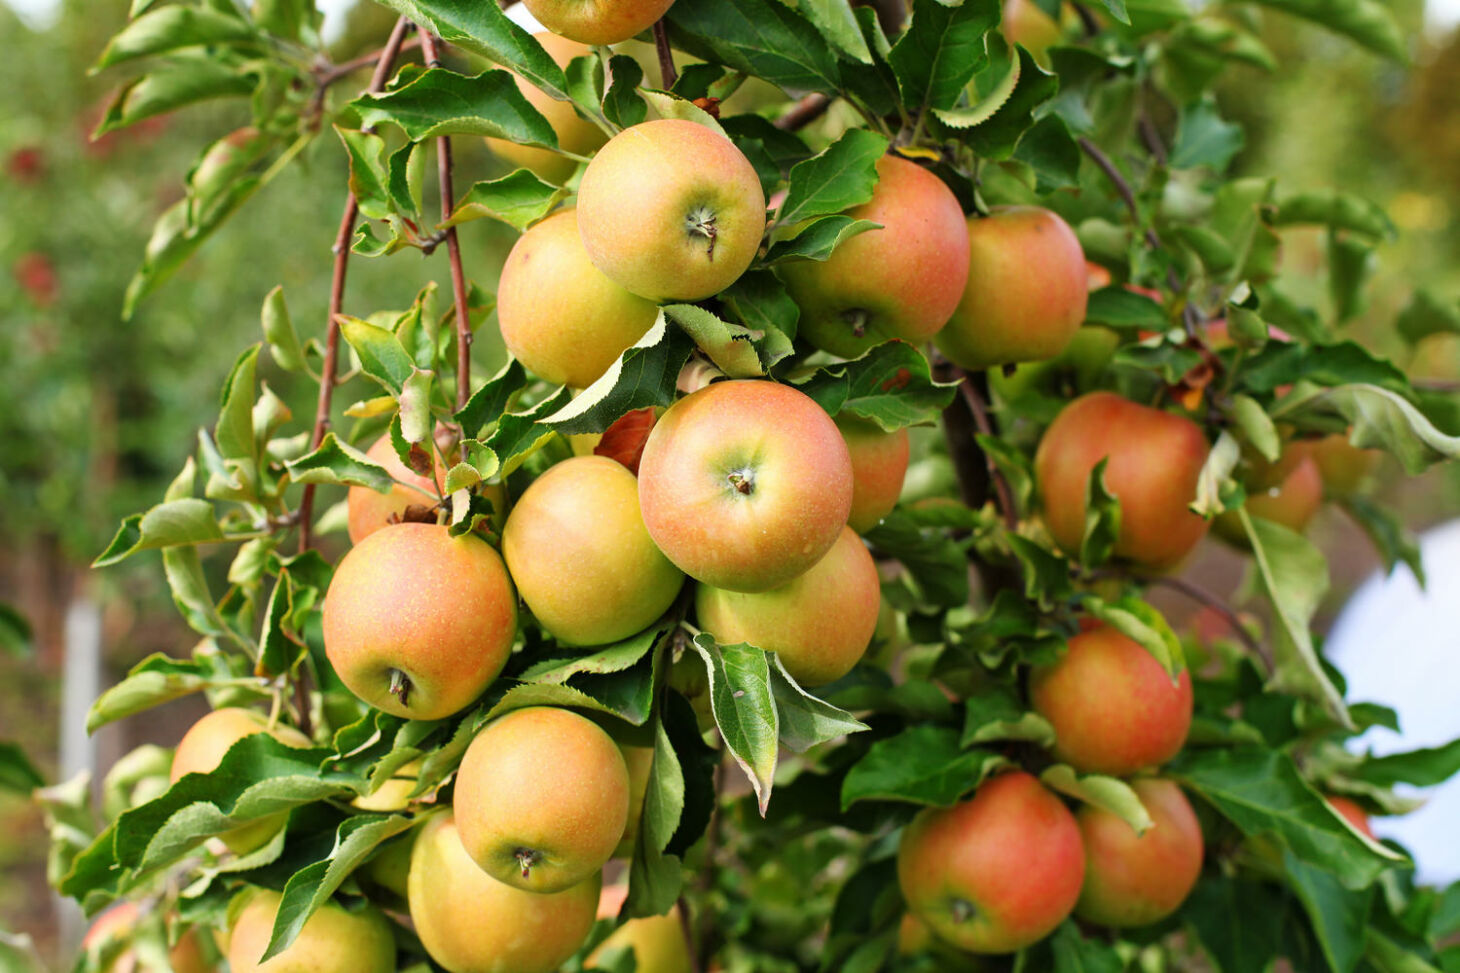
453 245
667 74
1152 138
1121 186
687 927
1088 23
329 74
1199 594
337 297
980 410
804 112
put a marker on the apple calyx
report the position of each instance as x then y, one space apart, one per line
526 857
962 910
743 481
700 222
400 686
857 317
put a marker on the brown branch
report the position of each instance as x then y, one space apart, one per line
667 74
1152 138
1121 186
453 245
686 926
331 73
804 112
980 411
337 297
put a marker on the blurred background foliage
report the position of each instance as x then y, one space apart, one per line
97 413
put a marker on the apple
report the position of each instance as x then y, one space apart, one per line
1025 23
1114 708
117 924
202 748
390 866
1352 813
560 316
1080 364
333 940
900 281
1346 468
575 134
417 622
576 546
1026 290
1288 492
671 210
745 484
1136 879
597 21
394 793
657 942
1154 460
370 510
879 464
640 761
995 873
471 923
819 623
542 797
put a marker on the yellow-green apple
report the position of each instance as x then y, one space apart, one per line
394 793
333 940
575 134
541 799
598 21
1288 492
657 942
819 623
1136 879
639 760
202 748
1114 708
879 463
1154 460
390 866
1346 468
745 484
584 563
1025 293
671 210
471 923
115 927
560 316
900 281
1025 23
417 622
1352 813
995 873
370 510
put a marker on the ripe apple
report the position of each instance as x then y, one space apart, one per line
745 484
394 794
542 797
560 316
671 210
575 134
995 873
640 761
1135 880
600 22
1346 468
1354 814
1155 458
879 464
1113 707
819 623
369 510
657 942
902 281
202 748
116 925
471 923
1288 492
582 559
417 622
1025 23
1025 293
333 940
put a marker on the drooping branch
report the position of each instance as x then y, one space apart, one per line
804 112
667 73
453 245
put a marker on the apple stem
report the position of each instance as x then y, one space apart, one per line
526 857
400 686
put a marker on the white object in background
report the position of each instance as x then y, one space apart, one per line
1400 646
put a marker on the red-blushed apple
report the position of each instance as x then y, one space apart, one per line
597 21
1154 460
115 926
1346 468
1114 709
370 510
819 623
1288 492
542 797
1136 879
995 873
745 484
575 134
879 464
471 923
584 563
202 748
333 940
1026 290
560 316
1024 22
900 281
657 942
671 210
1352 813
417 622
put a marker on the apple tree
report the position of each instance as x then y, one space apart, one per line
779 603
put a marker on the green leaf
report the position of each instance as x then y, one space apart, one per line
842 176
1427 314
1257 427
279 332
170 28
17 774
339 464
1141 623
817 239
518 199
1336 210
643 376
17 639
1127 311
1107 793
1351 263
1204 139
936 562
806 721
488 403
520 434
837 23
1339 916
1394 542
761 303
1239 921
730 346
1210 248
997 137
991 87
997 713
621 103
1073 953
369 176
744 707
234 432
170 524
191 595
381 354
1051 151
656 878
174 83
923 764
940 51
669 105
762 38
1428 767
155 680
1215 478
614 658
1261 792
1102 519
1380 418
440 102
1367 22
891 385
